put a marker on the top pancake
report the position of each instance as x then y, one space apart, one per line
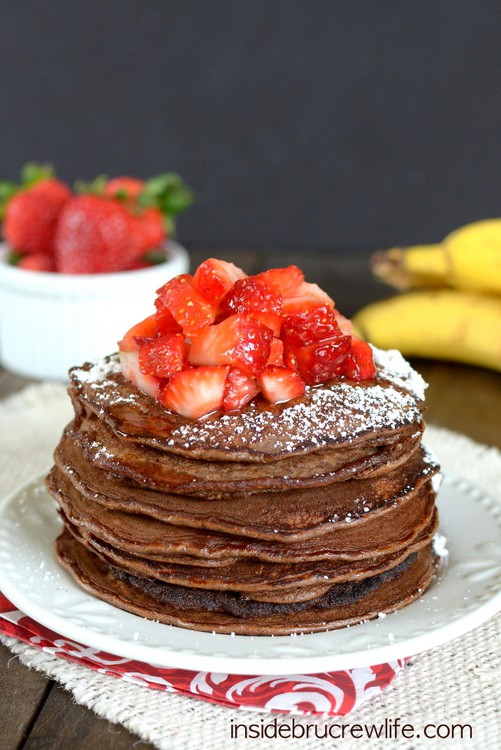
332 415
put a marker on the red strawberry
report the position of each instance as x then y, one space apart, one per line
276 352
185 303
196 392
214 278
31 216
304 297
95 235
313 324
37 262
284 281
129 361
162 356
252 297
360 363
238 389
321 361
166 322
145 329
148 229
238 340
124 188
280 384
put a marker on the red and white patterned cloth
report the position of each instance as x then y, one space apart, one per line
323 694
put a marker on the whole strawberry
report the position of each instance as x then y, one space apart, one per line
31 210
95 234
115 223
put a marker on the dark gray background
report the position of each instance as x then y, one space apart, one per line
300 123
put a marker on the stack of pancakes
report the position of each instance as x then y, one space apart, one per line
296 517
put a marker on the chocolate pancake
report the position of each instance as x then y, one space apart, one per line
228 613
294 517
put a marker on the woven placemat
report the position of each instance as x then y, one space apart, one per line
439 695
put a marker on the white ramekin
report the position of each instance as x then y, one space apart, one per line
52 321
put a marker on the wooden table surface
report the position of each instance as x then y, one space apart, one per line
36 712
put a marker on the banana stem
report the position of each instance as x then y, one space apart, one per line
411 267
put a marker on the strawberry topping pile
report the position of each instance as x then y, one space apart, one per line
105 226
219 338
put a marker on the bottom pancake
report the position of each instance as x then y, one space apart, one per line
343 604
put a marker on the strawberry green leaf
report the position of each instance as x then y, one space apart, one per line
95 187
32 173
7 191
169 193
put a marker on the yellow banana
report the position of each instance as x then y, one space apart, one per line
469 258
442 324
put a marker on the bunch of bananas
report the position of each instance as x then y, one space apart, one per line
450 306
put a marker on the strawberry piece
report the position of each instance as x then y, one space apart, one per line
344 324
185 303
239 389
37 262
283 281
290 360
305 297
238 340
162 356
196 392
31 216
360 363
279 384
314 324
129 362
322 360
276 353
165 321
253 297
214 278
135 336
95 235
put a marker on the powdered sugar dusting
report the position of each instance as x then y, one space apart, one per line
399 371
336 412
99 371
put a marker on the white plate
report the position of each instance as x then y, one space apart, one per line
465 595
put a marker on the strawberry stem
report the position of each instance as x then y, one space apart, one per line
94 187
169 194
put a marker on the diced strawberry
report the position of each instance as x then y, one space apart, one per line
284 281
238 390
129 361
314 324
146 329
253 297
305 297
344 324
162 356
360 363
238 340
185 303
290 360
271 320
276 353
322 360
214 278
166 322
195 392
279 384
